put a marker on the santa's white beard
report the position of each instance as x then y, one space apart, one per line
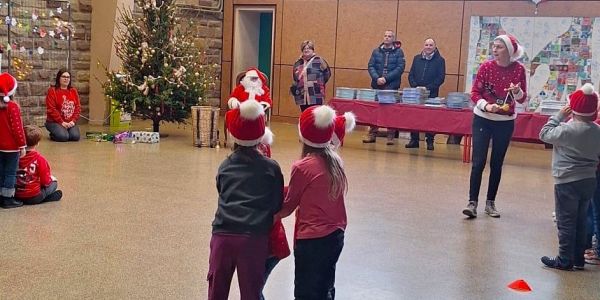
252 87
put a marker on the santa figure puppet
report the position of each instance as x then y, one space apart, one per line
251 86
343 124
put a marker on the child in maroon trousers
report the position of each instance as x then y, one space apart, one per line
278 244
250 188
35 184
316 191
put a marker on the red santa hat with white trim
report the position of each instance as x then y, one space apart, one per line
8 86
515 50
343 124
246 124
316 126
584 102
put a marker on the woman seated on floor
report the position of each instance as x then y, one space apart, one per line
62 109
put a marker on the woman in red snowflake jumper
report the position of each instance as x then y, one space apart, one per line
499 84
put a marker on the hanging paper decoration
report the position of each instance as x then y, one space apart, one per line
537 2
34 16
7 20
43 32
22 69
13 22
51 14
40 50
22 49
51 33
59 10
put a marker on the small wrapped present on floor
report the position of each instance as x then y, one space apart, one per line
145 137
124 138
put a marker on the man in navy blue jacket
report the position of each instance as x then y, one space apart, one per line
428 70
385 68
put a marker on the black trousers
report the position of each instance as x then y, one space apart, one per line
572 201
303 107
414 136
484 130
315 261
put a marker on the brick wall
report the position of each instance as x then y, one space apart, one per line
208 28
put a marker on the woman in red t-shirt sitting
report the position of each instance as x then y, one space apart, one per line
62 109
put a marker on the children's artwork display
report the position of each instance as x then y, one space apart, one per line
559 52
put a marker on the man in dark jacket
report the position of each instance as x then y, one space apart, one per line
385 68
428 70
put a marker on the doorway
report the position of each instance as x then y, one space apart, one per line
253 36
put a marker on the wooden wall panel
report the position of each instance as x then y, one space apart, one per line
418 20
461 84
361 25
449 85
275 89
225 83
308 20
227 30
287 106
352 78
345 32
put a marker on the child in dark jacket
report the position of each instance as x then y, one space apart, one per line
35 184
250 188
574 163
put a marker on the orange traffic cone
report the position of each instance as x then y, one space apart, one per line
520 285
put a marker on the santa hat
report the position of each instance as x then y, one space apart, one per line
8 86
246 124
343 124
515 50
316 126
254 72
584 102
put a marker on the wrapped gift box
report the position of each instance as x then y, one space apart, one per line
145 137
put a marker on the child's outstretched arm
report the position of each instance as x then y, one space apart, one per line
552 132
294 193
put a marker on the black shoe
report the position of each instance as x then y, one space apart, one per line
412 144
555 263
430 146
56 196
10 202
471 210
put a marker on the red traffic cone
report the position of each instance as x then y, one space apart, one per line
520 285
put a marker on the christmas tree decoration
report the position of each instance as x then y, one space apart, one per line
163 72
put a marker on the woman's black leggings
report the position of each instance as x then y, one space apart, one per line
500 133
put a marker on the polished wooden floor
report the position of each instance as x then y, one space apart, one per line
135 224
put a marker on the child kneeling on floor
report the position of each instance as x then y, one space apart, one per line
574 162
35 184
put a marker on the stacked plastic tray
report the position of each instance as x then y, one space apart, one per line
457 100
345 93
550 107
366 94
414 95
388 96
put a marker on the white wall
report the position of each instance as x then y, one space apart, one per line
245 42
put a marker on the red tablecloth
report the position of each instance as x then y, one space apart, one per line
432 119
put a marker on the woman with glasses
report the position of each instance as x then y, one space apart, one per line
310 74
499 84
62 109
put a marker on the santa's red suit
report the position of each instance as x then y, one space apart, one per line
245 90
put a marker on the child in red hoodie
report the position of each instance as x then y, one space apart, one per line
35 184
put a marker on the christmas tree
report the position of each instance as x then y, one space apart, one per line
163 72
